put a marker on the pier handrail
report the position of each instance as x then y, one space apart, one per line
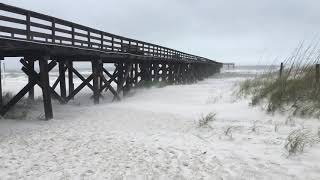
32 26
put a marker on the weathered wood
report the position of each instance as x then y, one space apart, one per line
81 77
44 78
69 42
127 80
96 69
170 74
108 86
156 72
164 73
78 89
1 99
85 38
108 83
55 84
120 77
100 74
113 78
317 73
70 76
31 65
281 69
62 76
136 72
36 76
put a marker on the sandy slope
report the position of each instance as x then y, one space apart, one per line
153 134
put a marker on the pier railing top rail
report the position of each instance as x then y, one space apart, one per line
18 23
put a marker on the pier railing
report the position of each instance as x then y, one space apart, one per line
23 24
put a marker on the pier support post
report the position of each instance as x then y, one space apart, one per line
131 77
44 79
120 77
62 76
136 74
70 77
101 83
127 78
317 73
170 74
156 72
1 100
96 71
31 65
164 73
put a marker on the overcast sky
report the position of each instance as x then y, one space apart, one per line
240 31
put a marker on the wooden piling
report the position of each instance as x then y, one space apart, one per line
70 77
62 76
120 77
96 68
156 72
317 73
101 83
176 67
44 78
136 74
127 78
1 100
31 65
281 70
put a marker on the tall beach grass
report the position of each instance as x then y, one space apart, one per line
296 90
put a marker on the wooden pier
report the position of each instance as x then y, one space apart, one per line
228 65
52 42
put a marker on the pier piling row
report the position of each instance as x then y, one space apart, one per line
118 64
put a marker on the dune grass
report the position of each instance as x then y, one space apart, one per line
298 139
206 119
296 89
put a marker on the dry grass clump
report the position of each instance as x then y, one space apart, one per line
205 120
296 89
298 139
229 131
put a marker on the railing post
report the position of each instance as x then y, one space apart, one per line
101 43
281 69
72 35
89 40
137 47
158 51
129 48
143 53
112 44
28 26
53 31
121 41
317 73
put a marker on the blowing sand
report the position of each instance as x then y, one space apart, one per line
153 134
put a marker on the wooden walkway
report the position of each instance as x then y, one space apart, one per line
51 42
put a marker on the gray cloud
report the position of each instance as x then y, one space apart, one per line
240 31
